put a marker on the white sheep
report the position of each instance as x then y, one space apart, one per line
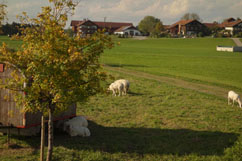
234 97
77 121
77 126
116 87
125 83
78 131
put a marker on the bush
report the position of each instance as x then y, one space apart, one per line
200 34
238 35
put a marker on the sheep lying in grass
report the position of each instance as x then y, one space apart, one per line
125 83
77 126
79 131
116 87
234 97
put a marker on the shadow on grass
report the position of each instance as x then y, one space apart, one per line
143 141
150 141
135 94
125 65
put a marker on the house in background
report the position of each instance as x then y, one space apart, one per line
127 30
86 27
232 26
187 27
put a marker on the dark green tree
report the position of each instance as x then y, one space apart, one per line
150 25
191 16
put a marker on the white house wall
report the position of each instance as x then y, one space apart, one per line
136 32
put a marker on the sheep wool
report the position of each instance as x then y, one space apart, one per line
116 87
77 126
234 97
126 85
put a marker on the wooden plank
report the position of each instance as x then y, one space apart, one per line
9 113
12 115
1 68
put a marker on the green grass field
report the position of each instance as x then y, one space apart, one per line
190 59
11 43
156 121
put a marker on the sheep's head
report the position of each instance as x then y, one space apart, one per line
110 87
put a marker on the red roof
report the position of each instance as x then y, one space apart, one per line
211 25
112 24
82 22
230 24
104 24
234 23
75 22
182 22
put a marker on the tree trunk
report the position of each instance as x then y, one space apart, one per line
50 135
42 144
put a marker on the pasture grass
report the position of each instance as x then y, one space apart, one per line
156 121
189 59
14 44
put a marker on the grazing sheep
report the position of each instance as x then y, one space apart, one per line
235 97
116 87
125 83
77 126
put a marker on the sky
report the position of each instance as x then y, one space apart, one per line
168 11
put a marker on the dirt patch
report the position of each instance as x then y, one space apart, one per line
140 37
209 89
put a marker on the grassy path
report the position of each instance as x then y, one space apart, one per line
209 89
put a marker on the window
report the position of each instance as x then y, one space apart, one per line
94 27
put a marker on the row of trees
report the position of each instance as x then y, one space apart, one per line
15 28
12 29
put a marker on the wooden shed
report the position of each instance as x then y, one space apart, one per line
10 115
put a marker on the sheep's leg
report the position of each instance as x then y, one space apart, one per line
233 103
114 93
120 92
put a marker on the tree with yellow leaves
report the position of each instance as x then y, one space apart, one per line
56 70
